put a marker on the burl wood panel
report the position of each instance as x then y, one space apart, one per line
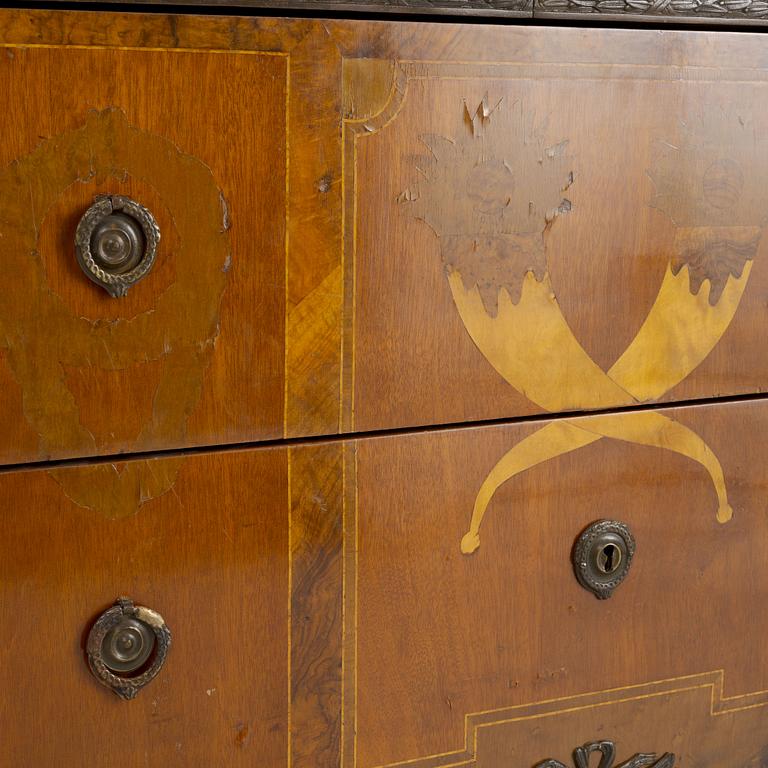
498 658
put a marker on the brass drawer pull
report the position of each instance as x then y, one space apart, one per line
607 752
116 243
127 647
602 556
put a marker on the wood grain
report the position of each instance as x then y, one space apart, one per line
323 612
240 358
502 635
499 178
238 538
210 555
317 478
335 313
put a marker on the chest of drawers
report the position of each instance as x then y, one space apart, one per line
381 393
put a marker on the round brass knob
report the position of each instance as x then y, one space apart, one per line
127 647
116 243
602 556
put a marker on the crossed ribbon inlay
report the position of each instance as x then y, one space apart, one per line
493 235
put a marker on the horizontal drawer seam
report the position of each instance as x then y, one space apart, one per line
374 434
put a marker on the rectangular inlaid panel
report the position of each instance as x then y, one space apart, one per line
544 233
208 551
194 352
240 553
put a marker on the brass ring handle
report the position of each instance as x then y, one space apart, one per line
116 242
602 556
127 647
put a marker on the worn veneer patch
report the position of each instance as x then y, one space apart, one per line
713 255
490 192
44 337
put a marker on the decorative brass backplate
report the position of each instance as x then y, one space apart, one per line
602 556
116 243
127 647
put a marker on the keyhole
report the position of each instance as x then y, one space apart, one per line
608 558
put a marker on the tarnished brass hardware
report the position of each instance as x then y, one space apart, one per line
607 752
127 647
602 556
116 243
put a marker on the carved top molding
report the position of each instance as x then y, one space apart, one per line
521 8
725 12
705 11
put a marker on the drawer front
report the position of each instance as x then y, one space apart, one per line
215 571
487 651
194 352
404 600
371 226
558 229
240 555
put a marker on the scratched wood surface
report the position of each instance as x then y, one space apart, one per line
522 246
417 224
325 612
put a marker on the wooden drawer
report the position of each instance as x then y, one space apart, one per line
372 226
194 352
323 612
564 223
216 571
499 657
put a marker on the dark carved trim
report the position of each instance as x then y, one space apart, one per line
514 8
724 12
728 11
